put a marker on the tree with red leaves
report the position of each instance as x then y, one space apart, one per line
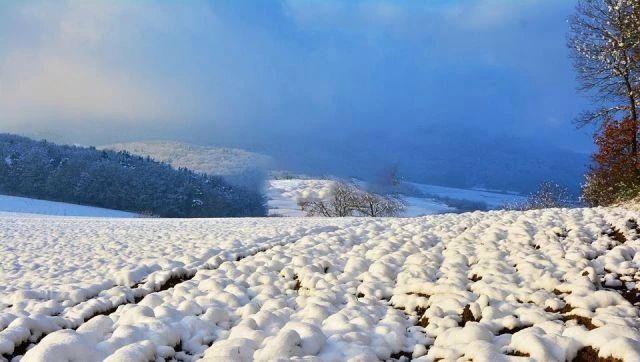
616 173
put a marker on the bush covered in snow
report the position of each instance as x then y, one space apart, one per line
117 180
548 195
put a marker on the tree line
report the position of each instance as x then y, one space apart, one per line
117 180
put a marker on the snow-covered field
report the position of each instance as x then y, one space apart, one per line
283 196
43 207
493 199
494 286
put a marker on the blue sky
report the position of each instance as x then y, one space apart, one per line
244 72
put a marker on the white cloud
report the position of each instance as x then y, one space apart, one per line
72 61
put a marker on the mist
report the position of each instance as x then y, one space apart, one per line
342 87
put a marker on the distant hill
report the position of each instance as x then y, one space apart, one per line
210 160
117 180
446 157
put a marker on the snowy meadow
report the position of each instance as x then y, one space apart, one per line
545 285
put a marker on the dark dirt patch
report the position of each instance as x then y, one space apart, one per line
518 354
297 285
586 322
18 350
420 310
615 234
588 354
513 330
632 224
175 280
631 295
467 316
402 355
423 322
562 234
474 278
566 309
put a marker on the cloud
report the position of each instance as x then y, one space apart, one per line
77 61
258 72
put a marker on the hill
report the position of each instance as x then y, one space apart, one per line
460 159
117 180
210 160
237 166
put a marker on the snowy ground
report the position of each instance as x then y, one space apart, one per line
493 199
43 207
495 286
283 196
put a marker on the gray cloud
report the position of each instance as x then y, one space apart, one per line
254 72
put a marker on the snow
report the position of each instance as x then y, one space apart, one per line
487 286
493 199
284 195
25 205
210 160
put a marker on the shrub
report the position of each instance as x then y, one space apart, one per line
547 195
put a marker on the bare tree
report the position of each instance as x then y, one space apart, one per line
342 202
376 205
346 199
605 48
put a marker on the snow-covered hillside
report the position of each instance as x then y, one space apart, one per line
485 286
11 204
283 196
211 160
492 199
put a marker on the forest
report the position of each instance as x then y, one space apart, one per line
117 180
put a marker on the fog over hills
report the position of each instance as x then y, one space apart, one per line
211 160
435 156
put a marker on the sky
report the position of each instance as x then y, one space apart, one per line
246 73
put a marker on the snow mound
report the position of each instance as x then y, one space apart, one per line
545 285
